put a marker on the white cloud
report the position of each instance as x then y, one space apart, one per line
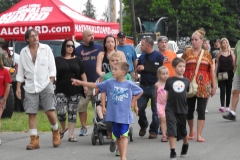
78 5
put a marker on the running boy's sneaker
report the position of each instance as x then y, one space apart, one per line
184 150
117 152
229 116
173 155
112 145
83 131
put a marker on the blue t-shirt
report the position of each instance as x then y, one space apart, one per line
89 54
130 54
119 98
155 57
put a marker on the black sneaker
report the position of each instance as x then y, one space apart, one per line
184 150
173 155
229 116
113 146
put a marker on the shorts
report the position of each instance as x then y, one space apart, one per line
83 103
176 125
161 110
44 99
119 129
236 82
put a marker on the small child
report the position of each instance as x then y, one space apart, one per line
160 94
176 107
121 95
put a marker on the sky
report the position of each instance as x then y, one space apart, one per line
100 5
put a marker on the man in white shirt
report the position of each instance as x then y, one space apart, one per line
37 69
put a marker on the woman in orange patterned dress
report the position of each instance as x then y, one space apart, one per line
205 77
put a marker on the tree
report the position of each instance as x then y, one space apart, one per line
90 10
6 4
105 14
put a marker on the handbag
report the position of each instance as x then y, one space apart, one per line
222 76
193 86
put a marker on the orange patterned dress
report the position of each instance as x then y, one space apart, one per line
203 77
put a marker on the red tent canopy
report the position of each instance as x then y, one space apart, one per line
52 18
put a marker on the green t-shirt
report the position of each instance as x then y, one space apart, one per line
109 75
237 55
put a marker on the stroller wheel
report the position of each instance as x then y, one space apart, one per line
101 138
130 134
93 139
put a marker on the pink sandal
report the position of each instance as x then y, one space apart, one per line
164 139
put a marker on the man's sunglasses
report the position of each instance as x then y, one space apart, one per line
68 46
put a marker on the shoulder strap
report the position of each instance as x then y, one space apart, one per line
198 63
67 65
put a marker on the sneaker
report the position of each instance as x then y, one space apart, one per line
227 109
142 132
229 116
173 155
117 152
152 136
83 131
221 109
112 146
101 123
184 150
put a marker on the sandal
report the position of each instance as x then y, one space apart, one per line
62 133
192 137
164 139
72 139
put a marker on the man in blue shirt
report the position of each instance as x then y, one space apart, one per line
129 52
148 63
88 52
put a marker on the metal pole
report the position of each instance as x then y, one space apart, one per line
121 20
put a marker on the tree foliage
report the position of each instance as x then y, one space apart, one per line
6 4
219 18
90 10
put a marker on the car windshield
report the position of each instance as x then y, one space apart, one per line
155 46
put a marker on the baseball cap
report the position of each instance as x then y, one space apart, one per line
121 34
161 38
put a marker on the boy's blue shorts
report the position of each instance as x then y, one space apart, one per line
119 129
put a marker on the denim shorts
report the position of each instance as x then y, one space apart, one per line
45 99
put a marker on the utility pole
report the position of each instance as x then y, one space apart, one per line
177 32
121 20
112 11
133 22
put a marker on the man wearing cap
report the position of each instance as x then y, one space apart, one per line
148 64
129 52
168 54
4 55
216 47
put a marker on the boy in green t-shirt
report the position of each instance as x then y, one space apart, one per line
114 58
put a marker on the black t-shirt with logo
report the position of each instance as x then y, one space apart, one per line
177 89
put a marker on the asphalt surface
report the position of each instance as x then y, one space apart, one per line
221 136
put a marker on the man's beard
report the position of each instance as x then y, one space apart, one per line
91 43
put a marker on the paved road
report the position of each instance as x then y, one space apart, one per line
222 142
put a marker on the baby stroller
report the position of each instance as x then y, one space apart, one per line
100 131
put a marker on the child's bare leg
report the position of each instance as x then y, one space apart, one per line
122 144
172 142
163 126
99 112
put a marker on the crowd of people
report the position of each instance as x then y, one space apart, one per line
165 79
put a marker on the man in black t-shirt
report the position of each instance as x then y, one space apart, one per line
216 47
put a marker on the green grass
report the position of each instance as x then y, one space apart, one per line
19 121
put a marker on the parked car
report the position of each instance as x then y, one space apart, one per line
14 104
172 45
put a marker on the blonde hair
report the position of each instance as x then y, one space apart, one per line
200 32
115 54
160 69
228 45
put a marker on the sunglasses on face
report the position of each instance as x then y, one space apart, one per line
68 46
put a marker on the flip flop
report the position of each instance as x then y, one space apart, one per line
62 133
192 137
72 139
200 140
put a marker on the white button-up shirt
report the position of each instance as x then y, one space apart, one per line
37 76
